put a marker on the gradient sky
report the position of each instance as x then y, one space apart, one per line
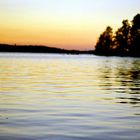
70 24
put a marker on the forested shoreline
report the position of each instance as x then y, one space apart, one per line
39 49
124 42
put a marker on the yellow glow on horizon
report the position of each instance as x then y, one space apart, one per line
69 35
66 24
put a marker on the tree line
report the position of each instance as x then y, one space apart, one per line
39 49
124 42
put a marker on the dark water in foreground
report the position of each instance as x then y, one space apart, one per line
65 97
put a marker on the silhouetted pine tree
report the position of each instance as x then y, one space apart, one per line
135 36
105 42
122 38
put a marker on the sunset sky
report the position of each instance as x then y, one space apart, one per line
69 24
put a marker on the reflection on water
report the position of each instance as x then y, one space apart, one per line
65 97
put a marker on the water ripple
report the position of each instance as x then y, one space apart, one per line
69 97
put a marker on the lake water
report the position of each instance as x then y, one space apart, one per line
69 97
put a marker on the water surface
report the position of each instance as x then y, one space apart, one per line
69 97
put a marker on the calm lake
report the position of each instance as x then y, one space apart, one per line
69 97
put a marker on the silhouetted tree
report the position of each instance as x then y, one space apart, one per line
105 42
135 36
122 38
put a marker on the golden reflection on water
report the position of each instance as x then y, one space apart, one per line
84 91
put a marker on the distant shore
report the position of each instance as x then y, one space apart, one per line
45 49
39 49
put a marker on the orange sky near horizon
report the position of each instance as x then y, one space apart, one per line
68 24
68 36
